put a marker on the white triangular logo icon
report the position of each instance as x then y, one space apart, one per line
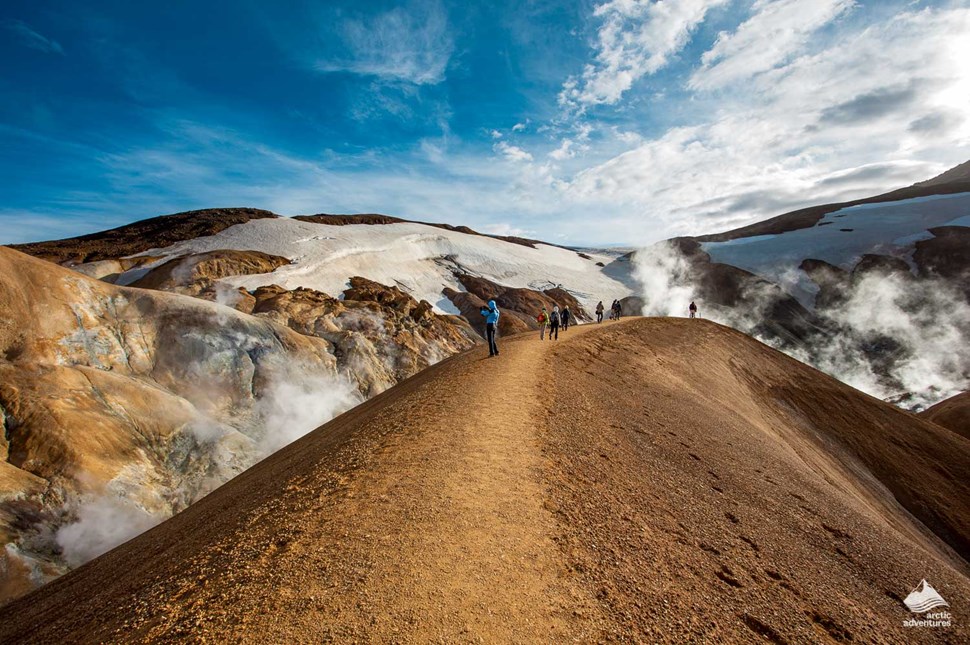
923 598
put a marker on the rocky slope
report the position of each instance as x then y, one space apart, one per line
141 236
739 496
380 334
121 406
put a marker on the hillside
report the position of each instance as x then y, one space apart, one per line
217 254
142 235
728 494
955 180
953 413
128 404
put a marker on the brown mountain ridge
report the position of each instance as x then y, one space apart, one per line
656 480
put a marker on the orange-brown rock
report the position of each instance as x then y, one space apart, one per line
198 274
147 397
380 332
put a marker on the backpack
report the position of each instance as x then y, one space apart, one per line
541 318
554 318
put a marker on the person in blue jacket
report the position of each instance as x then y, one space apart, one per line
491 314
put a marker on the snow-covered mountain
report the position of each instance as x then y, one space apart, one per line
324 252
875 291
842 238
422 260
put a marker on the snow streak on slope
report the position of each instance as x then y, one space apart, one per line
842 237
420 259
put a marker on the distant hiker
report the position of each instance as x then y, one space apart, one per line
599 312
617 310
613 311
692 309
566 316
554 323
491 326
543 320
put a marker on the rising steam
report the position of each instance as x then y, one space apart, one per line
293 400
893 336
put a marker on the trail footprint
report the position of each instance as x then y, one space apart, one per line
836 532
751 543
835 630
727 576
763 629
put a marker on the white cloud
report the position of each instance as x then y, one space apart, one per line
33 39
838 123
564 151
883 107
636 38
409 44
778 30
495 134
512 153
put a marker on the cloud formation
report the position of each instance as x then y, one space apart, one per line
410 44
512 153
842 122
636 38
777 31
667 117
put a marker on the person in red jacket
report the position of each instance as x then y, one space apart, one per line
543 320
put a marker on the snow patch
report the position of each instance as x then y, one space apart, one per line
903 222
419 258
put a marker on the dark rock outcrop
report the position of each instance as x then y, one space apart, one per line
946 255
141 236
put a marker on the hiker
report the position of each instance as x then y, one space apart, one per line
554 323
618 310
599 312
692 309
491 326
543 320
613 311
565 316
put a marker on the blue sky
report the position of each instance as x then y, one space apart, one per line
582 122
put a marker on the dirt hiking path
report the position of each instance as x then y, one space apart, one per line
653 480
461 544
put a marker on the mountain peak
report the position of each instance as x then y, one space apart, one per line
957 173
